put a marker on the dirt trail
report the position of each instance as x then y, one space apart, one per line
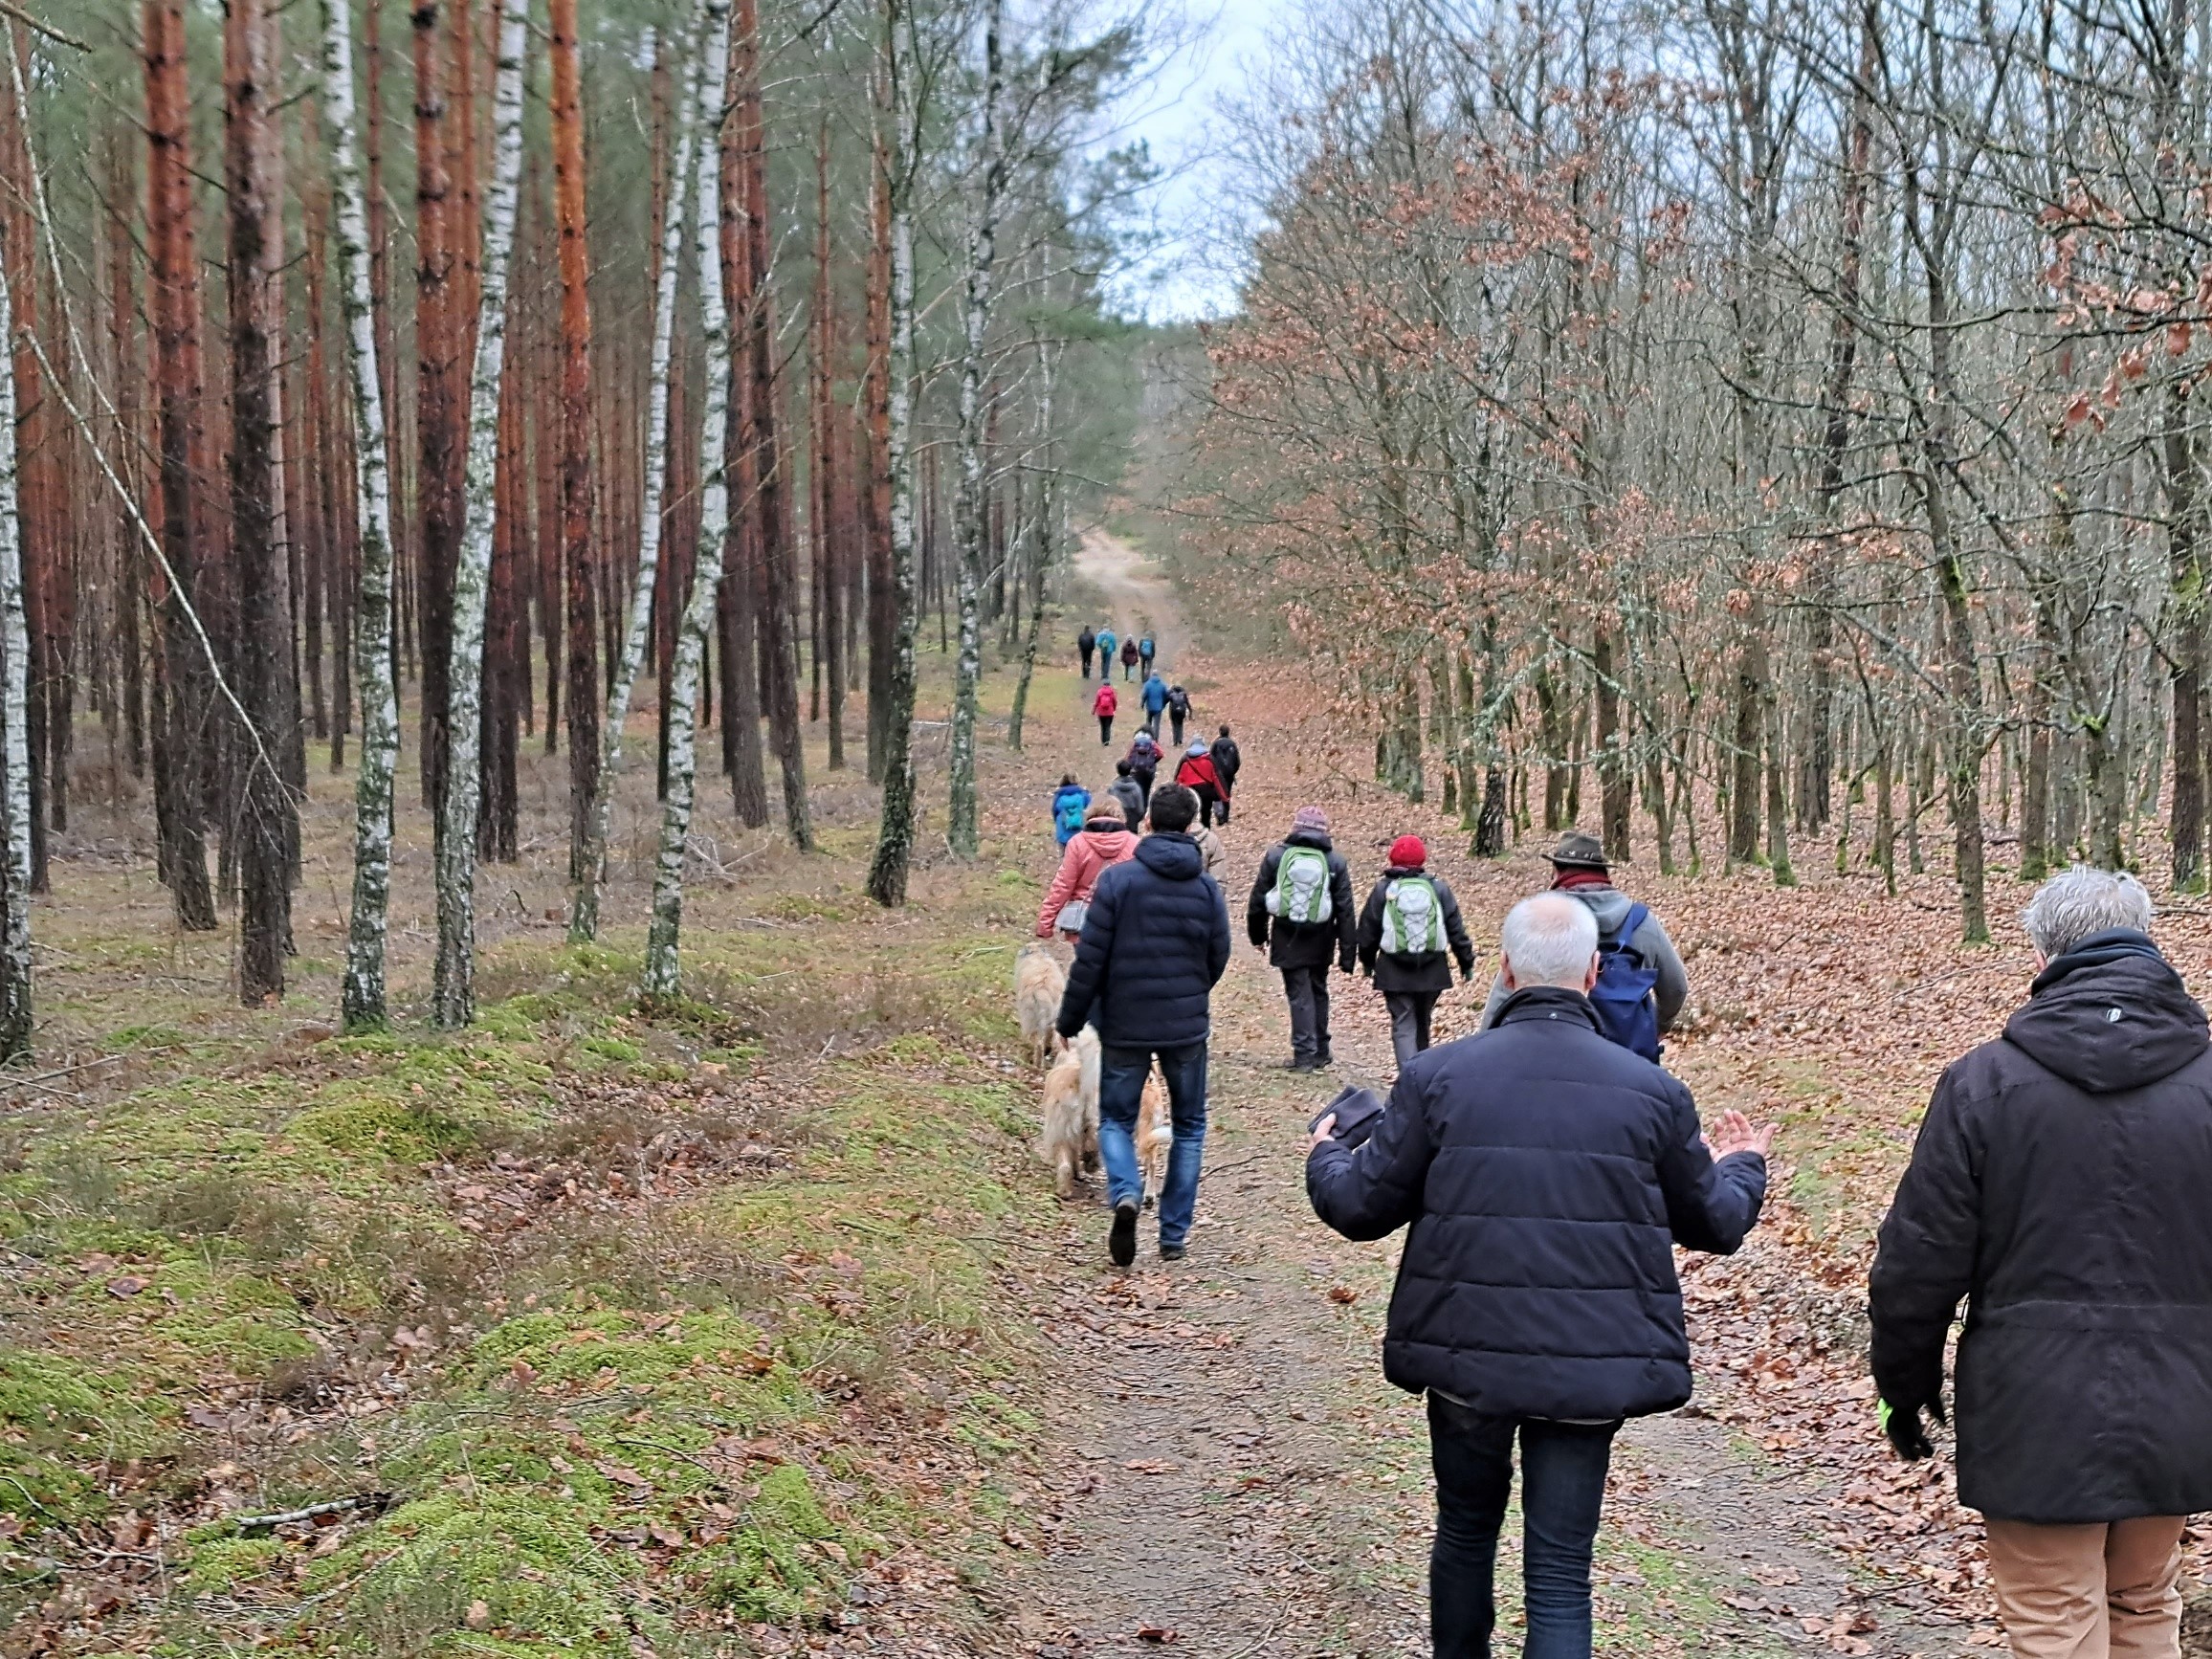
1232 1468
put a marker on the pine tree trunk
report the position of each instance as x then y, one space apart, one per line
662 963
743 754
182 736
584 905
575 427
875 490
973 504
438 416
829 649
362 1007
454 983
893 856
269 824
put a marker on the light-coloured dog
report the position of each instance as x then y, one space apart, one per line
1155 1135
1069 1138
1039 981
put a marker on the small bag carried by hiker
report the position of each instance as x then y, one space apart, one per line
1302 890
1412 917
1628 1013
1073 915
1358 1114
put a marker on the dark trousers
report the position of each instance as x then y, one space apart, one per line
1410 1014
1208 802
1175 720
1145 782
1145 663
1563 1469
1086 663
1105 728
1128 669
1307 989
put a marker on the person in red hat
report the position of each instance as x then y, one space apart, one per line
1410 932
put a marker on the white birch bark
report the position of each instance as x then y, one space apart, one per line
661 960
893 857
453 996
592 867
14 728
969 505
362 1005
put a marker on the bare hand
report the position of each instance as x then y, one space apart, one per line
1734 1133
1325 1130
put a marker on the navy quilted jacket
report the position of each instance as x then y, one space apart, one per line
1153 948
1547 1176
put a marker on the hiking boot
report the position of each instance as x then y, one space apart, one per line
1298 1063
1122 1242
1173 1253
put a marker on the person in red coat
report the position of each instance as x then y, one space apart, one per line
1104 705
1198 774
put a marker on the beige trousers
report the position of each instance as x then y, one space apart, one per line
2105 1591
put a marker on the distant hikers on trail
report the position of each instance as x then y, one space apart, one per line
1106 642
1146 651
1085 642
1127 793
1154 695
1144 760
1196 772
1128 655
2058 1188
1105 705
1227 762
1178 711
1545 1176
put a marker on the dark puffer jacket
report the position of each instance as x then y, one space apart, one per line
1154 945
2061 1185
1428 970
1547 1176
1306 944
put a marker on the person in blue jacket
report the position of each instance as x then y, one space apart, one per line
1154 695
1107 645
1069 802
1545 1174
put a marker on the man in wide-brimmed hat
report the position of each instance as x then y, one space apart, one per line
1643 985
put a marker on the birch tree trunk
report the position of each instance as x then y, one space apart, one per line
361 1006
971 506
590 871
14 733
453 984
1048 372
894 838
661 960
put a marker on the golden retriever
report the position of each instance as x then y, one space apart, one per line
1070 1138
1155 1135
1039 981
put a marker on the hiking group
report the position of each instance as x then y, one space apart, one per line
1546 1167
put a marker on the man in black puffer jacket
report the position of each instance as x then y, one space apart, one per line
1547 1175
2062 1187
1154 945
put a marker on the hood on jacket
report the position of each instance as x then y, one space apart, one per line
1110 841
2110 1015
1171 854
1315 838
1610 905
1399 871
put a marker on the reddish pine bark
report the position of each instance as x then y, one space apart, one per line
440 402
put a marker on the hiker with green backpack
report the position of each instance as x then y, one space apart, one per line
1409 935
1301 914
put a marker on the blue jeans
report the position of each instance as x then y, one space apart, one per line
1121 1075
1563 1469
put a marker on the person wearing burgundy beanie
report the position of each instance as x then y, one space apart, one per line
1410 932
1579 867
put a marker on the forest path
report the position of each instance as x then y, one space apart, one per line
1231 1474
1134 593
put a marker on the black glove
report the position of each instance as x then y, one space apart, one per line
1902 1425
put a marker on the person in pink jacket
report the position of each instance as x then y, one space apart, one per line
1104 705
1104 841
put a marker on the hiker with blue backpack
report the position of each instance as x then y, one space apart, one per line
1070 801
1410 932
1641 984
1300 913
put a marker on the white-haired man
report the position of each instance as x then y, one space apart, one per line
1547 1175
2060 1187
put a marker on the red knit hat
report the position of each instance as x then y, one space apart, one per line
1408 852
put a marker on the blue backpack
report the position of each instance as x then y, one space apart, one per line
1626 1012
1068 808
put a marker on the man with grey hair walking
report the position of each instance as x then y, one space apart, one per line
1546 1175
2059 1188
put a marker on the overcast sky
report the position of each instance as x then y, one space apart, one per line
1177 113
